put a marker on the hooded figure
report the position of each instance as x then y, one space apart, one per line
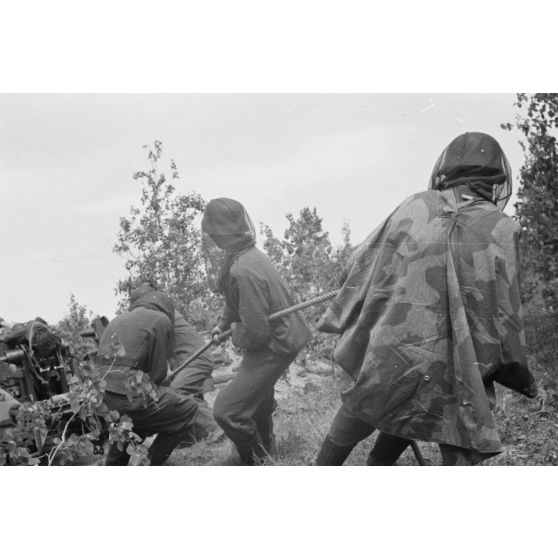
477 161
227 230
146 296
141 340
253 290
430 316
186 340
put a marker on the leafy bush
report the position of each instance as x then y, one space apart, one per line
74 426
76 320
537 208
537 212
310 265
161 244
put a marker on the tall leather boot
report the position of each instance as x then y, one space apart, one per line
252 452
332 454
264 424
115 457
162 447
387 450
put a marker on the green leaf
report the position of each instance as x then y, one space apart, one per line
127 425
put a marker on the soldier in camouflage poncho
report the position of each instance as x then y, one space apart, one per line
430 316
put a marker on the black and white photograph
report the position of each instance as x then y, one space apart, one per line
278 279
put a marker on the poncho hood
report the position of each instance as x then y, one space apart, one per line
227 231
224 217
147 297
477 160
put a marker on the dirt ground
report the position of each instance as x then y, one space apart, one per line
308 398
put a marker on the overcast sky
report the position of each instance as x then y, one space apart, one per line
66 164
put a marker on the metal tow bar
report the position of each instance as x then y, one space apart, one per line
275 316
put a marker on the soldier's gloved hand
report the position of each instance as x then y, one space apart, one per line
215 332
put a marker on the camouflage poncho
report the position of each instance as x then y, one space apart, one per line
429 317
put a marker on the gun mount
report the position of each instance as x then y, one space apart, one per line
36 365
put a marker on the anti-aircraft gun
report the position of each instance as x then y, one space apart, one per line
36 365
36 362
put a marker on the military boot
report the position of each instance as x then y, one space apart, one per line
332 454
387 450
252 452
162 447
264 426
116 457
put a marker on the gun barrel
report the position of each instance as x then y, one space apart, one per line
13 357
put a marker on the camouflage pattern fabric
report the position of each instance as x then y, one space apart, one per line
429 316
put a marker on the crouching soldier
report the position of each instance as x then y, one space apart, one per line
253 290
145 335
430 317
190 380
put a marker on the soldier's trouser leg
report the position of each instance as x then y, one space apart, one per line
247 396
189 382
345 432
387 449
264 423
170 417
